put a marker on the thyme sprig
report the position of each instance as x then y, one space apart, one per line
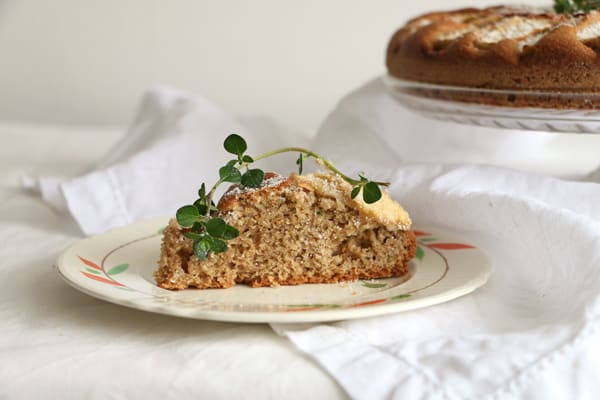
573 6
210 233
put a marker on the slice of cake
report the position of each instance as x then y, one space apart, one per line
295 230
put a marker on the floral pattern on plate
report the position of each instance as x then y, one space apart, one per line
118 267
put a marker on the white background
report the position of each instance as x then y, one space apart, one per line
88 61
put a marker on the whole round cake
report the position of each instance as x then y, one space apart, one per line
502 48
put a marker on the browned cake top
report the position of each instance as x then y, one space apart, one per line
517 39
386 211
488 28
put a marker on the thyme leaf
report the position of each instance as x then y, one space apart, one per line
573 6
209 232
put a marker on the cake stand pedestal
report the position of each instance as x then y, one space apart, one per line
437 101
440 102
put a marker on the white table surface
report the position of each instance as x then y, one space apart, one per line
56 342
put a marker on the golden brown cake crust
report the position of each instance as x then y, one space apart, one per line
292 233
500 48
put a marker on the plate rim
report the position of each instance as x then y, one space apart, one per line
313 315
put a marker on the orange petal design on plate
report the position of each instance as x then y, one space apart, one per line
101 279
90 264
421 233
368 303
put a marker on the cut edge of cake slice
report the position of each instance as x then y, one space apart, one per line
294 230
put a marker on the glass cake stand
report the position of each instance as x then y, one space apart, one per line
464 105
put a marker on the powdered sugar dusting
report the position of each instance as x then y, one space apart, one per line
418 24
271 182
452 35
530 40
526 25
523 9
590 31
385 210
511 28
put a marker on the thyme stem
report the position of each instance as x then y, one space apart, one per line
209 232
326 163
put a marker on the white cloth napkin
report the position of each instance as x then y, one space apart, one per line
534 330
531 332
173 145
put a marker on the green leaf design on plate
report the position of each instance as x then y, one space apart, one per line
420 253
118 269
429 239
400 297
372 285
93 271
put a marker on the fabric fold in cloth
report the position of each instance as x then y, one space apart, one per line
536 321
540 311
174 143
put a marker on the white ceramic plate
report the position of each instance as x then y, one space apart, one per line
427 100
117 266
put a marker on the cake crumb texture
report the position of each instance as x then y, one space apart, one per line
296 230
